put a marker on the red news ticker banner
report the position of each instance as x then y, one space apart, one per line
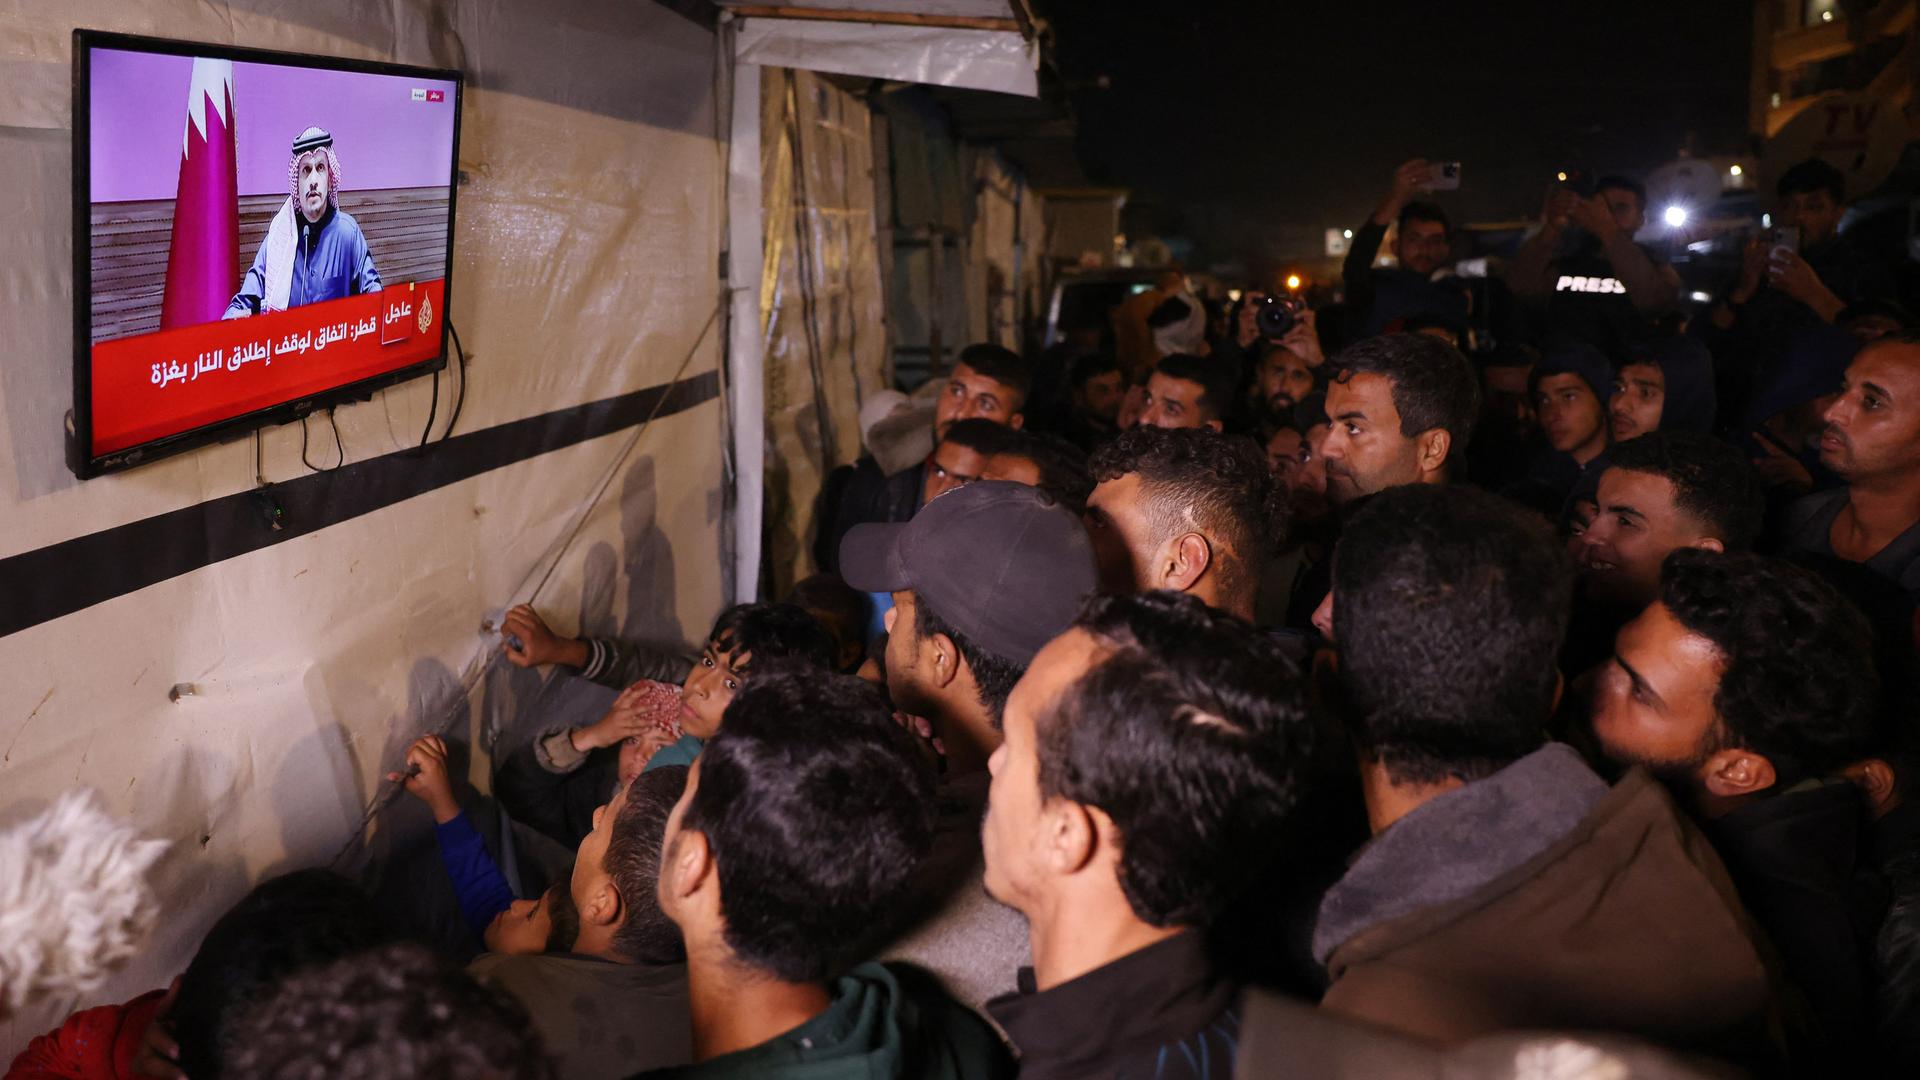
164 383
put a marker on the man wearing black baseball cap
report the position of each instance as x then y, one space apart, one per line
981 578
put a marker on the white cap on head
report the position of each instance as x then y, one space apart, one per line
878 408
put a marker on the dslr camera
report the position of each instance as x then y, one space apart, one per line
1277 315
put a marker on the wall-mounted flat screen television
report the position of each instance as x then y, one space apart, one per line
255 235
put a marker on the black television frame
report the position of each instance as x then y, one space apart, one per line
80 456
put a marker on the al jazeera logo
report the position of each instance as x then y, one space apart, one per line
426 314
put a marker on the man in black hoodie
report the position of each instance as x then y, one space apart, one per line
1569 386
1750 726
1664 385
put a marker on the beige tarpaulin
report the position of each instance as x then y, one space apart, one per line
588 234
821 295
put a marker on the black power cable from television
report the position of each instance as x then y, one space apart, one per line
339 447
460 398
432 411
460 394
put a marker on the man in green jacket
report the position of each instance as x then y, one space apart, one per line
801 826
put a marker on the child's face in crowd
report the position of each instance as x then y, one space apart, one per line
708 690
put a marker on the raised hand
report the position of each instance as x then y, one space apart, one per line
426 777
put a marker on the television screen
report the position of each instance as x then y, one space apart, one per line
255 235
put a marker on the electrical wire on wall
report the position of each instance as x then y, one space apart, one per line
483 661
460 397
338 446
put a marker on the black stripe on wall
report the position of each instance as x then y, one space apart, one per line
66 577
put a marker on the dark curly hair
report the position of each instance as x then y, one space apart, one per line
1062 465
1712 482
397 1011
1434 385
817 808
1449 606
1199 479
646 935
1797 680
1189 734
288 924
782 632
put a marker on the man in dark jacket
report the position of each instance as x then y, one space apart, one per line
980 580
1095 832
1750 725
1584 275
799 832
1781 290
988 382
1888 783
607 988
1664 385
1506 885
1381 298
1872 441
1569 385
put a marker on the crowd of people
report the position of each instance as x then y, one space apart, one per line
1271 689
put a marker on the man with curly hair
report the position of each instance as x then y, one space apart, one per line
1186 509
1507 886
391 1012
1747 687
313 251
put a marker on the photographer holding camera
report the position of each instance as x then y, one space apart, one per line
1584 269
1380 297
1799 274
1804 270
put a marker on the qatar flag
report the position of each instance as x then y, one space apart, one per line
206 213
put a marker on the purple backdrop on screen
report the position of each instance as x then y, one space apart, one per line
384 138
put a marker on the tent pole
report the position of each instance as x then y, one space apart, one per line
746 373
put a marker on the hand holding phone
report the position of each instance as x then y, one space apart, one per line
1445 176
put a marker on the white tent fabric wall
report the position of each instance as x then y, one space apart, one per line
588 237
944 56
827 339
1002 254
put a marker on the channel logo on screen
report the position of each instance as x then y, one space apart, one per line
429 95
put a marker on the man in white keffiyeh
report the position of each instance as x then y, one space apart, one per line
313 250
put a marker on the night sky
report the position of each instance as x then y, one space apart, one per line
1252 127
